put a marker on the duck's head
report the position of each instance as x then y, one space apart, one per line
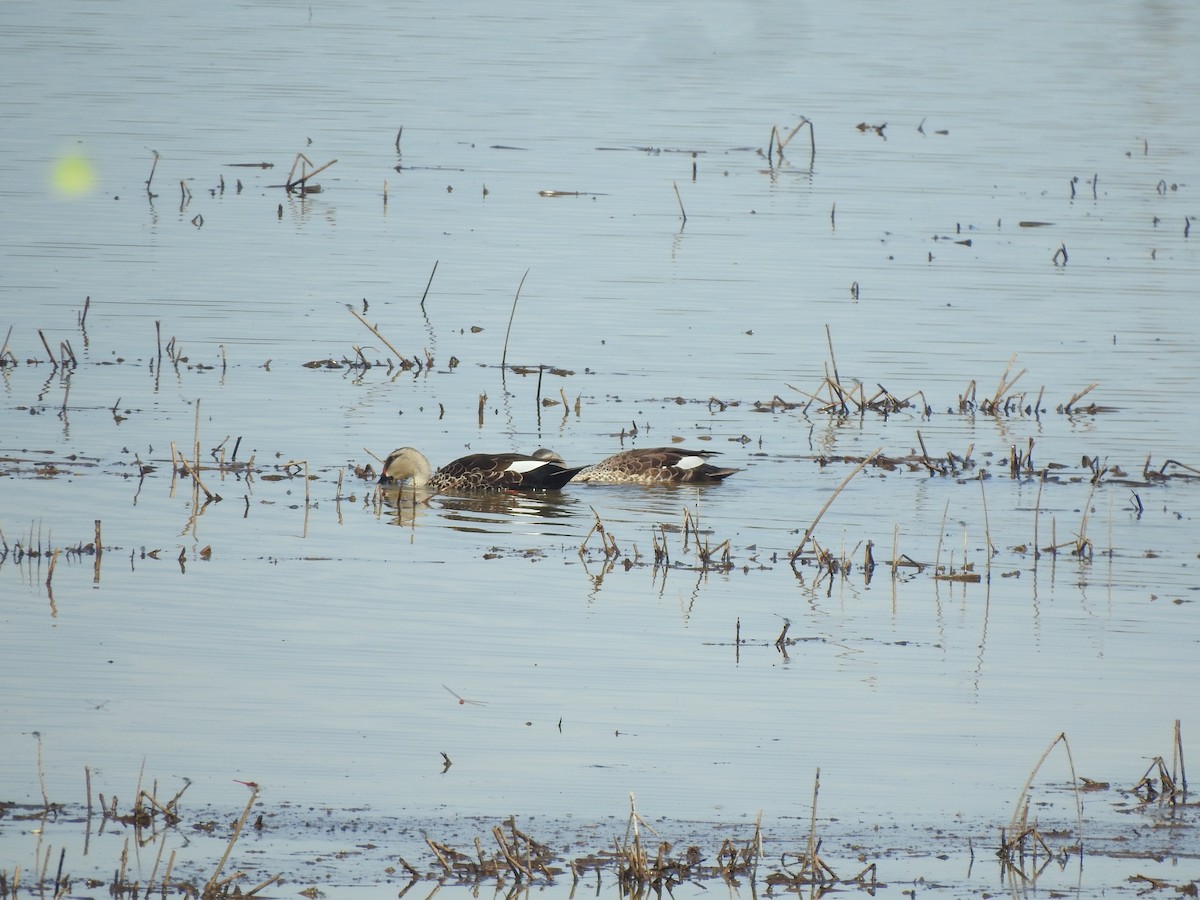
406 464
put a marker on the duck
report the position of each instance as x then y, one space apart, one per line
656 465
477 472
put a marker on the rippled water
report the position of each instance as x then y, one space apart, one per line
303 634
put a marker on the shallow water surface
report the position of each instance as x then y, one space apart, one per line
994 231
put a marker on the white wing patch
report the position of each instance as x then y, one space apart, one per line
690 462
521 466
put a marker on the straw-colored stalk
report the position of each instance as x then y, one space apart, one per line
212 886
811 528
511 316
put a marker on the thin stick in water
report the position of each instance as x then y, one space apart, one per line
829 339
987 531
375 332
153 166
431 274
511 316
813 527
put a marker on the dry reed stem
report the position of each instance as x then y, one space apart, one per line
187 467
49 352
610 543
210 888
832 358
987 530
438 854
99 552
258 887
937 559
811 528
1177 756
1005 384
680 199
42 773
429 283
399 356
511 316
291 184
1082 542
1021 811
519 869
1075 399
818 871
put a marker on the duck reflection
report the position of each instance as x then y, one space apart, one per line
501 512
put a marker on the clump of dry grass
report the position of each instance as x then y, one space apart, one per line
517 855
1160 784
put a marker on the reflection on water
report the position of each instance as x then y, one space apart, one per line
895 262
501 512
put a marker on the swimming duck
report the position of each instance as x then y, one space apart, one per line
655 465
477 472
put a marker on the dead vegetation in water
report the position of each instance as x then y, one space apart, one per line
150 821
636 858
1028 846
1165 785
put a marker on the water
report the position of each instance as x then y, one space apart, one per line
309 650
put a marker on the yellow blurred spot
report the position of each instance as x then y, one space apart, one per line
73 176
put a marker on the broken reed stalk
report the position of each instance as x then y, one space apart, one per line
42 772
153 166
832 360
1075 399
49 352
1014 824
1005 385
304 177
987 531
196 437
435 262
1037 511
518 868
634 853
924 453
192 472
511 316
812 140
297 463
50 570
680 199
758 847
811 528
812 824
374 331
1082 540
157 862
937 559
1177 759
211 885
